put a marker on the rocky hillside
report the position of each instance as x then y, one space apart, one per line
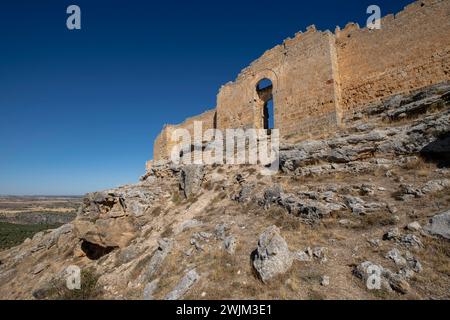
373 198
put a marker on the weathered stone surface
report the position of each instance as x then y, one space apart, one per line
371 146
392 234
325 281
220 230
128 254
294 205
164 247
230 244
245 193
39 268
388 280
183 286
202 235
355 89
106 232
197 245
397 282
136 208
440 225
436 186
356 204
367 269
191 178
413 226
409 190
411 240
413 263
104 220
345 152
189 224
319 252
150 289
54 236
272 256
396 256
303 256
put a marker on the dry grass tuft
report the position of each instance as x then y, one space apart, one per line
419 167
168 232
89 289
156 212
373 220
208 185
282 219
176 198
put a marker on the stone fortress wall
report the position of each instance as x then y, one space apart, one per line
163 143
320 77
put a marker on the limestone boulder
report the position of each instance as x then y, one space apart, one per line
230 244
103 220
272 256
440 225
191 178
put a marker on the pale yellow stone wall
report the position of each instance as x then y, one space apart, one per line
319 76
163 143
412 50
302 70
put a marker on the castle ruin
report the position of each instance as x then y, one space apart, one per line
317 79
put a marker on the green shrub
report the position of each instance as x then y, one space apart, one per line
14 234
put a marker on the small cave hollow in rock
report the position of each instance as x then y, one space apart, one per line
94 251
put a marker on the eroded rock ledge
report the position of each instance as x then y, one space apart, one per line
375 194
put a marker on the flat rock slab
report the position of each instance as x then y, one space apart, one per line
440 225
183 286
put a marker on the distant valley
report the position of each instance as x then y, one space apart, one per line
23 216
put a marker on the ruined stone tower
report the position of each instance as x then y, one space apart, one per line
318 77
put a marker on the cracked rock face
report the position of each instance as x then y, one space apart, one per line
309 208
230 243
388 280
109 218
164 248
429 137
191 178
396 256
149 289
272 256
440 225
183 286
103 220
362 181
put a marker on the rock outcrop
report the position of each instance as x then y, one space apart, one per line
105 221
184 285
191 178
440 225
272 256
364 194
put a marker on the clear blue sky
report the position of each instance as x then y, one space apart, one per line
79 110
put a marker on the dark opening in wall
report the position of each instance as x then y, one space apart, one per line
264 84
269 122
94 251
264 89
